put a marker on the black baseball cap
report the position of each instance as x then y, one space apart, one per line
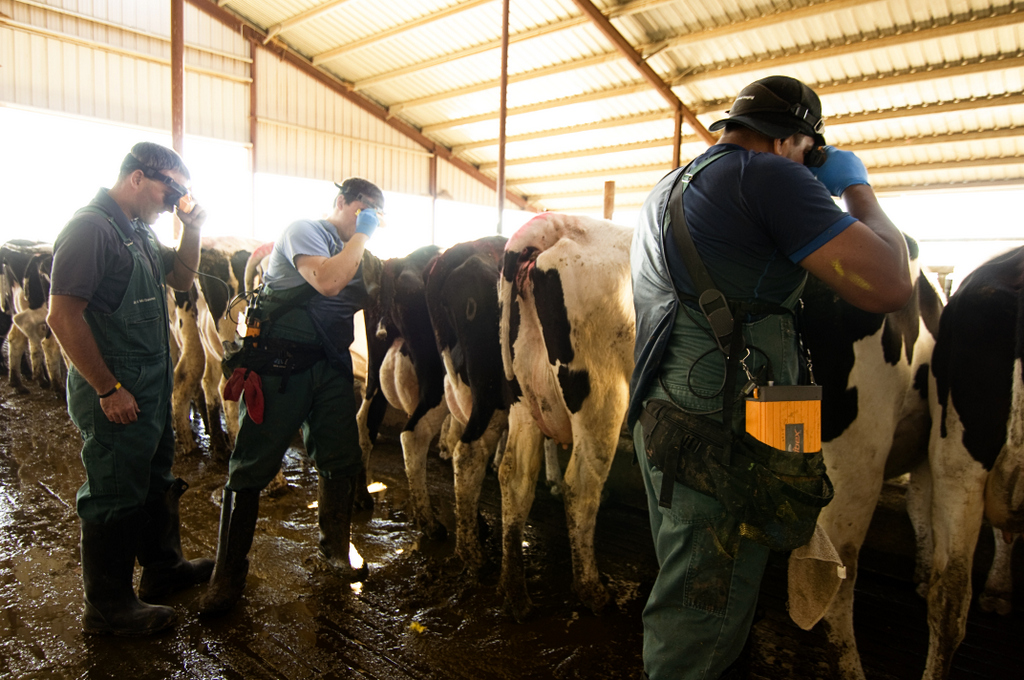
777 106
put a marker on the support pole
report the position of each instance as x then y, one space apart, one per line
253 127
503 110
433 199
609 199
178 85
677 139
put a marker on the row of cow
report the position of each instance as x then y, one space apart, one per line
926 390
533 337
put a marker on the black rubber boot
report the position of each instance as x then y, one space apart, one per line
108 561
334 512
165 570
238 514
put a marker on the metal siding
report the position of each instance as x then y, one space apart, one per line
315 133
458 186
54 73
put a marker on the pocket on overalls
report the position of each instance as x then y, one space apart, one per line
713 556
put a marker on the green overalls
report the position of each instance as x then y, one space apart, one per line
125 464
709 576
320 400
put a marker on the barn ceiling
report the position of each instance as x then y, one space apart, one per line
929 93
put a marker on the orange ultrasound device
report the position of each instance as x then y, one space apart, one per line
786 417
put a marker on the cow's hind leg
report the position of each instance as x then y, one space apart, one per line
470 463
415 444
593 449
520 466
957 510
998 594
16 344
54 365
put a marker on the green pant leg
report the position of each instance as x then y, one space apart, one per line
259 449
701 607
330 431
119 459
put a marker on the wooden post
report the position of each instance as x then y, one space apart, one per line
503 110
433 199
609 200
253 127
178 85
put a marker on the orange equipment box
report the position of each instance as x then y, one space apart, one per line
786 417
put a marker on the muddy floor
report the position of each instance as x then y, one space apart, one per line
415 616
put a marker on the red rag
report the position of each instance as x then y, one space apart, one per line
249 382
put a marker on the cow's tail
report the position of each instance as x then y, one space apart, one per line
36 286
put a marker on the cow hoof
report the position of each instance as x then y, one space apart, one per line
518 607
996 603
44 383
363 500
594 596
21 389
435 531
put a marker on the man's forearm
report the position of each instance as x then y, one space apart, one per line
862 203
186 259
76 339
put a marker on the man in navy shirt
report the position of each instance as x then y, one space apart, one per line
108 309
760 219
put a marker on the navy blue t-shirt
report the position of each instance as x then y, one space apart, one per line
749 239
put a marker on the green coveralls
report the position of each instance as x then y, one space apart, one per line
126 464
319 400
702 604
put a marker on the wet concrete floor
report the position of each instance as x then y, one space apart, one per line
415 617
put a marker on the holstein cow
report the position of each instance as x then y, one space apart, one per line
222 268
405 368
25 296
462 298
873 369
567 333
977 443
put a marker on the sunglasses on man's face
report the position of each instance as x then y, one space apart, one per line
372 205
175 195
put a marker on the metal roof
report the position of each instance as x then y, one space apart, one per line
929 93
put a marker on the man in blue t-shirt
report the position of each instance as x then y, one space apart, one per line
299 375
760 219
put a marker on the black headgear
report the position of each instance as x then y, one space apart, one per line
777 106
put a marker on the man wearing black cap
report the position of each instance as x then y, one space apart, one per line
759 219
296 372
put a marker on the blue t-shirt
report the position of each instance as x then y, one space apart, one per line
743 218
304 237
331 316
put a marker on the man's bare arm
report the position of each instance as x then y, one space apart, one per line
75 336
330 275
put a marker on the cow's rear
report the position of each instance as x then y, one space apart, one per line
567 333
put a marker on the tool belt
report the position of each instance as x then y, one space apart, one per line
270 357
775 495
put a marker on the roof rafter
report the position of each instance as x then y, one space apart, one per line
299 19
398 30
627 49
1008 18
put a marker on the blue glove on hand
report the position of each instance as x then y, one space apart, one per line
841 170
366 222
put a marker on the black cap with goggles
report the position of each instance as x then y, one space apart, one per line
175 196
780 106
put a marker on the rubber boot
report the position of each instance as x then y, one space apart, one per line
334 512
108 561
238 513
165 570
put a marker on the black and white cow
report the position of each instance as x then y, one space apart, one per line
567 334
405 369
462 298
976 454
25 296
206 316
873 369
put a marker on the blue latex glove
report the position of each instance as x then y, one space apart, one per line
841 170
366 222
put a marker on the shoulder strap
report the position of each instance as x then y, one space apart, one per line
97 210
711 300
